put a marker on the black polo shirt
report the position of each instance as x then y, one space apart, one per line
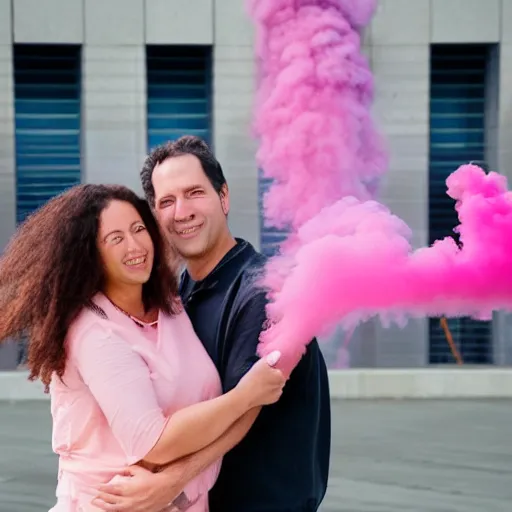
282 464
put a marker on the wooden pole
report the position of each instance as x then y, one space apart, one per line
449 339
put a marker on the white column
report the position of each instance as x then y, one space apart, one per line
399 45
114 92
233 102
7 160
502 326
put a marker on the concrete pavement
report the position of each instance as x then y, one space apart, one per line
388 456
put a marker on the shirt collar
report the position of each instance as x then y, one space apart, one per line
211 280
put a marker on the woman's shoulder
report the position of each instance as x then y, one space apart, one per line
90 319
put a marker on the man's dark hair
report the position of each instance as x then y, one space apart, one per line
186 145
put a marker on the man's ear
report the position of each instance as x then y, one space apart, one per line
224 198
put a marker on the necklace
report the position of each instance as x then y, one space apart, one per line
138 322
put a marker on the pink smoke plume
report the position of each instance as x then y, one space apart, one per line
348 259
354 261
317 139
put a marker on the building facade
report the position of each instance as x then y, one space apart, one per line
87 87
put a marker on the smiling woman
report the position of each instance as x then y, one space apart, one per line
44 291
130 382
127 253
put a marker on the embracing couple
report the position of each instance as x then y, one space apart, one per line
159 400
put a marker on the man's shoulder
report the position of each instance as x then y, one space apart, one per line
253 270
250 278
249 256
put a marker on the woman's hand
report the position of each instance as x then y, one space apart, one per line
263 384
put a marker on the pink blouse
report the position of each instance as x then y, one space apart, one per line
119 387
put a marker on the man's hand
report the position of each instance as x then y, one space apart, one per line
143 491
152 492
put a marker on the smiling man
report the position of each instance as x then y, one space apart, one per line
275 459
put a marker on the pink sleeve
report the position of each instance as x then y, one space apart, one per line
120 382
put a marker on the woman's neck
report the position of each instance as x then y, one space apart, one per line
128 298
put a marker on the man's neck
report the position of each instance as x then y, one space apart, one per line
200 268
128 298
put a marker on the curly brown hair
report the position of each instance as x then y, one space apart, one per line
51 270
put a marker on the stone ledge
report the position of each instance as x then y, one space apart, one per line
414 383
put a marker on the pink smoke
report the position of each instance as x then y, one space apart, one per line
317 139
318 142
354 261
348 259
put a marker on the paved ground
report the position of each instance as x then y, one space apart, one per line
420 456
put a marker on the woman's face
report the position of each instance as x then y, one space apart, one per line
125 246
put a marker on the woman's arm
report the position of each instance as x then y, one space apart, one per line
195 427
120 382
154 491
192 428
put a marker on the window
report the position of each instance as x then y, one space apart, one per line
459 126
47 91
270 236
179 88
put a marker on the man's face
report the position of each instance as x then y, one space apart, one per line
187 206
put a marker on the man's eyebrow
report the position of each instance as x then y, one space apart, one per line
167 196
191 188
